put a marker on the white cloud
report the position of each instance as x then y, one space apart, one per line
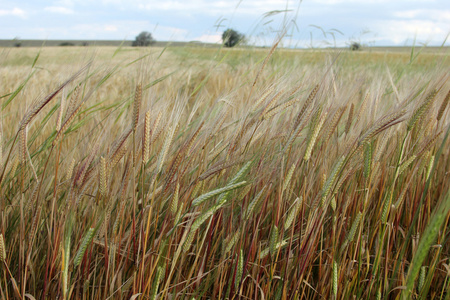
426 14
253 7
167 33
398 31
59 10
17 12
110 28
106 30
209 38
362 3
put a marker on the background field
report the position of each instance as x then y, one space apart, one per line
209 173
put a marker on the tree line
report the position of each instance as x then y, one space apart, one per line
230 38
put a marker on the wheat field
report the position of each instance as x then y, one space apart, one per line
191 173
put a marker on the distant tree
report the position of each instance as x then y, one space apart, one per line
84 44
143 39
355 46
231 37
66 44
17 42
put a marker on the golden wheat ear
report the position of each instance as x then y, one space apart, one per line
39 105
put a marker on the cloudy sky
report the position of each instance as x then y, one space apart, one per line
315 23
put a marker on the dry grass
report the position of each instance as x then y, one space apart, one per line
214 174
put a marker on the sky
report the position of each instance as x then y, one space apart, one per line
308 23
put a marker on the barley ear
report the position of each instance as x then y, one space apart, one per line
103 172
422 275
352 232
332 179
69 171
263 96
178 215
254 204
419 112
187 244
367 160
240 269
313 137
2 249
335 278
60 114
84 244
232 242
146 141
167 142
274 240
305 106
204 197
288 177
443 106
355 224
137 105
293 213
174 203
158 278
406 164
349 120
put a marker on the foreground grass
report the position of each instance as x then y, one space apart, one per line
217 174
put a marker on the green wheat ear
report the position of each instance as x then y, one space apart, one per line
335 278
199 200
254 204
288 177
240 269
159 274
292 214
84 244
174 203
367 159
274 240
232 241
